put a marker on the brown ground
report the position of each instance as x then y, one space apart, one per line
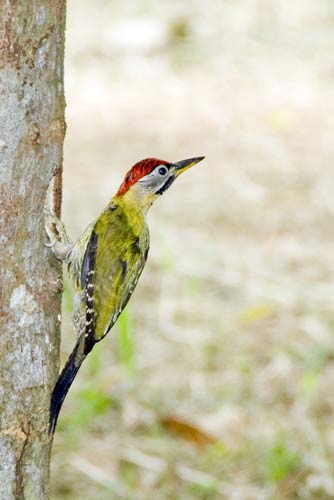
230 331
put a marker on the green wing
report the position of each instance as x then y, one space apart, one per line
113 262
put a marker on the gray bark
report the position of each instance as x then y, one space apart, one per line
31 139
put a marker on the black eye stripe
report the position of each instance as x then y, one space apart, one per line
166 185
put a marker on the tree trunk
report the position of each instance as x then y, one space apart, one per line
31 139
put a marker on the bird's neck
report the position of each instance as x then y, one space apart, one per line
136 201
132 206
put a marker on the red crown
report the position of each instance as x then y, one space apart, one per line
139 170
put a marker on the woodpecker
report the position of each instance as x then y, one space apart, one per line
106 261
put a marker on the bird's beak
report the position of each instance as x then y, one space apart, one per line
183 165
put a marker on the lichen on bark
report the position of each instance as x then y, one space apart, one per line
32 129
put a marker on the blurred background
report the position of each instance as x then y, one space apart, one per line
217 382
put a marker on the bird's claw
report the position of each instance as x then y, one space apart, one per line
59 241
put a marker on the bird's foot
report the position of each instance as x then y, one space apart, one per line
59 242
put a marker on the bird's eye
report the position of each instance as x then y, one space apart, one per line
162 170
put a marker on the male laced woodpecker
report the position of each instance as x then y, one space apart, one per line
107 260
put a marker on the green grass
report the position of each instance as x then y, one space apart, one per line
89 405
126 342
281 461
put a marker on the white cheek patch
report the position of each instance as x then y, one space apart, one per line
152 182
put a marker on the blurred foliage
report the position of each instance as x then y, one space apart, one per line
165 254
205 491
256 312
67 299
179 30
94 362
309 384
187 431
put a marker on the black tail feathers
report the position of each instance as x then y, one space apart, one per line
64 382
